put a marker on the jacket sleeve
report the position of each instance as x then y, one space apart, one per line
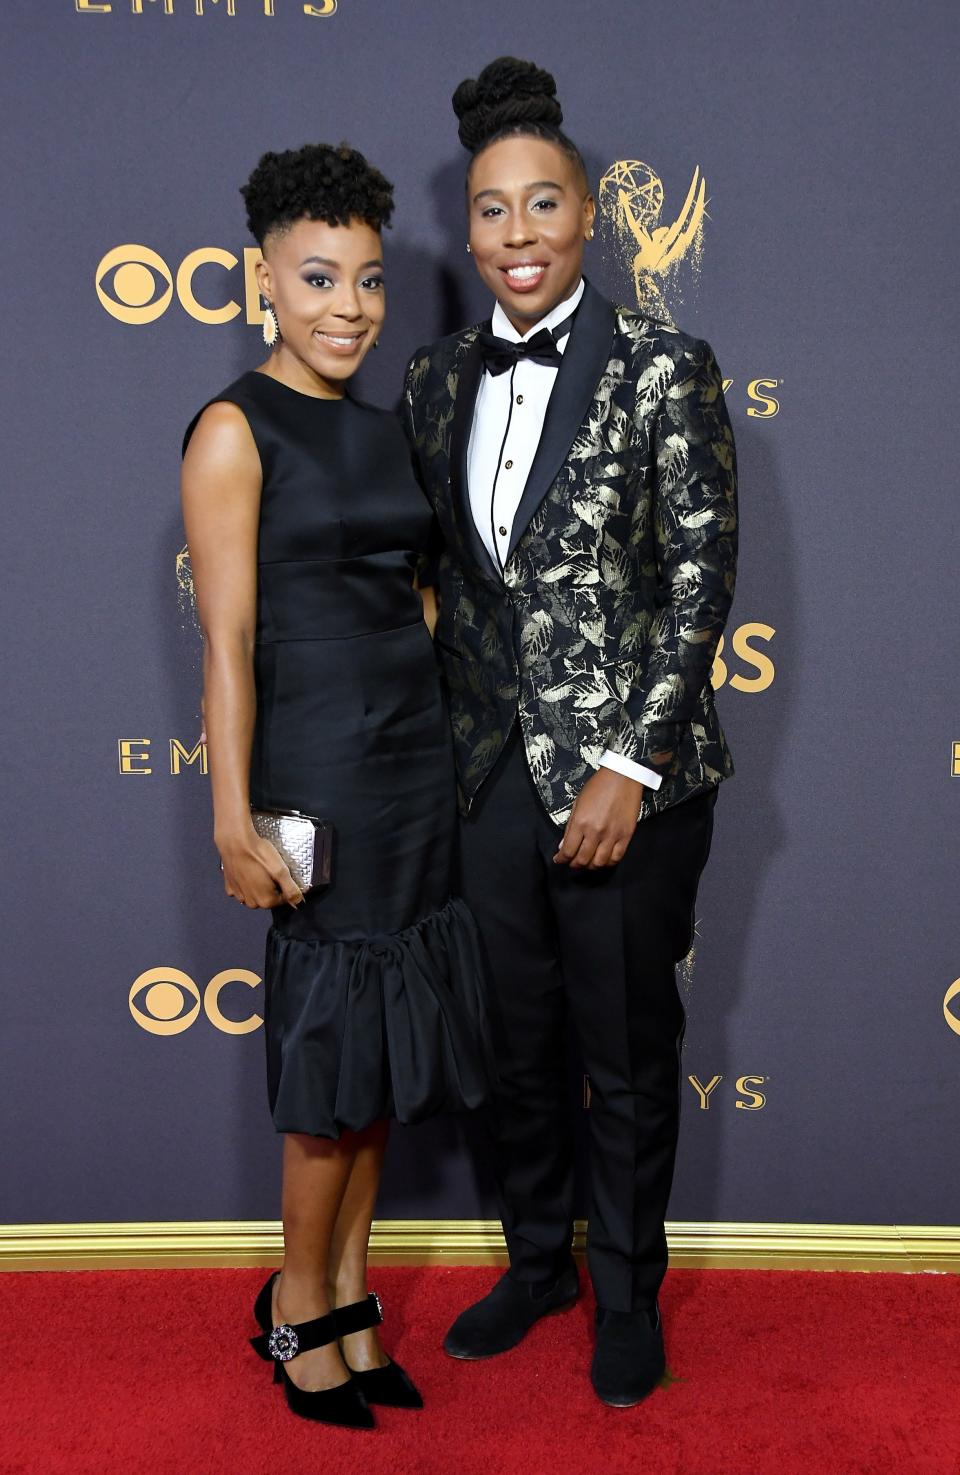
694 509
426 571
406 409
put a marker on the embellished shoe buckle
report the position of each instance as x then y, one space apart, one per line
378 1303
283 1343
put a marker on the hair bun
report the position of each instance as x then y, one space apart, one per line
507 91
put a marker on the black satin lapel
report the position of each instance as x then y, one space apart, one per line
584 360
468 385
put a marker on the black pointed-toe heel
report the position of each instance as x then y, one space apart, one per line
346 1404
388 1386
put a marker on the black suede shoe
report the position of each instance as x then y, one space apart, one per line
628 1361
503 1318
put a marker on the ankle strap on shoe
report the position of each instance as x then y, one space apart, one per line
358 1316
286 1341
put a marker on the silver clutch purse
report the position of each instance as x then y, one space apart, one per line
305 843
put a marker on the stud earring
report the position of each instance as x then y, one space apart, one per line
376 342
271 326
590 234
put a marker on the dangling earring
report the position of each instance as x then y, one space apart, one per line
590 234
376 342
271 326
469 249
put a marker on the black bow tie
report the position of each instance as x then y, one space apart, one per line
500 354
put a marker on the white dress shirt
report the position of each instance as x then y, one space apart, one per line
507 425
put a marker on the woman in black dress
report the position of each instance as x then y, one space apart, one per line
305 527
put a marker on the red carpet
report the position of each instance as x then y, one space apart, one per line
148 1373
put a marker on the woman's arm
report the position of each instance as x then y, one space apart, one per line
220 489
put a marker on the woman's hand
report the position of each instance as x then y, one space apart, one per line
603 822
254 872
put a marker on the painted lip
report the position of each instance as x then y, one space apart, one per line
344 344
524 284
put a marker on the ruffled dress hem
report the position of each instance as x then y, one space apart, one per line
388 1026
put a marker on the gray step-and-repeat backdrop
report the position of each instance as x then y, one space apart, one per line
790 181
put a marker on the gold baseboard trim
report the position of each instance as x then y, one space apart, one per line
474 1242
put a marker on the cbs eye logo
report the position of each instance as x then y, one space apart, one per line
953 992
131 272
135 285
171 1001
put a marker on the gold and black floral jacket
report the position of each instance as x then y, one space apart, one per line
602 629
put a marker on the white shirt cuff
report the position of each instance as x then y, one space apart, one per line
626 766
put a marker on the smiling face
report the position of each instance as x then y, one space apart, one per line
530 212
326 286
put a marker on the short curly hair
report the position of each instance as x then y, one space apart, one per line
316 182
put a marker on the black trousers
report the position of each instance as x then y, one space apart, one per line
598 947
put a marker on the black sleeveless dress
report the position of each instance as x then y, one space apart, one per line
374 986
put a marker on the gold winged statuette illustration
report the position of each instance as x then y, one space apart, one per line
631 198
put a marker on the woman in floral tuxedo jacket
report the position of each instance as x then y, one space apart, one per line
581 464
